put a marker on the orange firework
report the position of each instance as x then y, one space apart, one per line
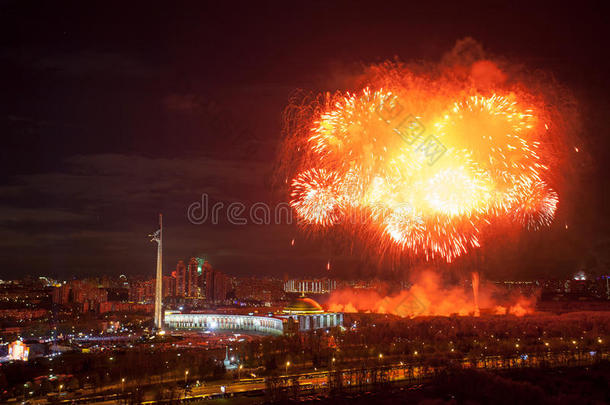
425 164
317 197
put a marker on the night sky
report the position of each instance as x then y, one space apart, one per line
111 113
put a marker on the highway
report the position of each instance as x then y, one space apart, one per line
319 382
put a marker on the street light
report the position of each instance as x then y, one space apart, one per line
60 387
186 373
239 371
122 385
287 365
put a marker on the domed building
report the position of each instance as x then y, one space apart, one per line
310 315
302 306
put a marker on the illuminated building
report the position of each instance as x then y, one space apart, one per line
304 312
28 350
61 295
243 323
142 291
180 276
313 286
169 286
311 316
117 306
23 313
192 288
222 285
18 351
198 280
214 285
208 279
580 276
84 295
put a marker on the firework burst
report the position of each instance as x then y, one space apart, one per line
364 154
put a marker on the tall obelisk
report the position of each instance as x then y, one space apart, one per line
158 237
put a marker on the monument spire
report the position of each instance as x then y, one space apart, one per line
158 237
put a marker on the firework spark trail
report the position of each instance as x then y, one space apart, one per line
354 158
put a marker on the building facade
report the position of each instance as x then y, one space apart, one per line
309 315
244 323
313 286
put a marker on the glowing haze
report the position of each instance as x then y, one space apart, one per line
428 297
423 164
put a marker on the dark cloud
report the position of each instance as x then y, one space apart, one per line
95 183
95 215
82 64
189 103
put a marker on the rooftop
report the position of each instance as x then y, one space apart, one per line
303 306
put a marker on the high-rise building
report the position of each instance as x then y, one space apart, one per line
198 280
169 286
180 275
209 283
220 287
193 289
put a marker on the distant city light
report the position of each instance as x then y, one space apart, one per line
580 276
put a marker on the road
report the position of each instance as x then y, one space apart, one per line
320 381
